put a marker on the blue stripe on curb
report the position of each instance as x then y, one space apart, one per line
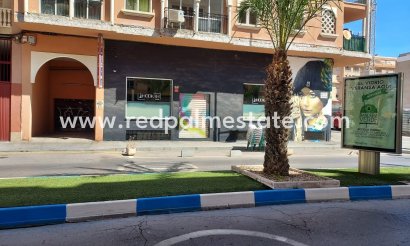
168 204
33 215
273 197
370 192
54 214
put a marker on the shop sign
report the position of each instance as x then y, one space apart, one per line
258 100
149 96
373 112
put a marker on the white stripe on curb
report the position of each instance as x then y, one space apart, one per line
400 191
84 211
227 200
327 194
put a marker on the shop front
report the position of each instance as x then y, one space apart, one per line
60 88
190 88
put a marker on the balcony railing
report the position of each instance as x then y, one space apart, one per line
5 17
356 43
213 23
356 1
85 9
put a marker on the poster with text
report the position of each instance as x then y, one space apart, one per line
373 114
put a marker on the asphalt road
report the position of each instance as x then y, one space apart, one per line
349 223
96 163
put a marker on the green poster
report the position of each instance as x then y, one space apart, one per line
371 105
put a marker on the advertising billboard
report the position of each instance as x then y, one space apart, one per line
373 113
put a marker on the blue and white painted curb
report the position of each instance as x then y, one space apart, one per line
54 214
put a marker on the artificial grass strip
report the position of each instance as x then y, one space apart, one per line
62 190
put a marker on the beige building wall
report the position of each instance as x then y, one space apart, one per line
403 66
382 65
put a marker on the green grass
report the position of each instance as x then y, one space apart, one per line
351 177
61 190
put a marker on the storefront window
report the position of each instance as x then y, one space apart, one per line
253 101
148 97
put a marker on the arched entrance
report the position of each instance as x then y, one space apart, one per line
63 95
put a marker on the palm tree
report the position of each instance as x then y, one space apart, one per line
283 20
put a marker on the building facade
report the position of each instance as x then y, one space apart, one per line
126 59
403 66
382 65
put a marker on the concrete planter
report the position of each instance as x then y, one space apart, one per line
324 183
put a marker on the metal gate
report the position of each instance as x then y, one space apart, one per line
5 88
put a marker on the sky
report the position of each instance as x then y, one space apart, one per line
392 27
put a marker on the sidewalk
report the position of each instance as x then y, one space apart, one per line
76 144
86 145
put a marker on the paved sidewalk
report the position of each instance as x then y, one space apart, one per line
76 144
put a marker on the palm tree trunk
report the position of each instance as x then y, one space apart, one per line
278 89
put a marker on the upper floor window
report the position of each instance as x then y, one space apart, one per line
250 18
138 5
328 21
87 9
55 7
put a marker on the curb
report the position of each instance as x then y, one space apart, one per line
16 217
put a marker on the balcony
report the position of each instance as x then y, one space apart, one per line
356 43
83 9
354 10
5 17
207 22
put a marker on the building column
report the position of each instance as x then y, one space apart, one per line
26 94
71 9
99 113
16 92
26 6
367 32
229 24
162 14
112 8
196 20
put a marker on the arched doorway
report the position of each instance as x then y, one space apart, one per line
63 95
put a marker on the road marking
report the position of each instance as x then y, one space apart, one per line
219 232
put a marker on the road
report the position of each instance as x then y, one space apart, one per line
348 223
96 163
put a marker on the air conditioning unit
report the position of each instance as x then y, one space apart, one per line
176 16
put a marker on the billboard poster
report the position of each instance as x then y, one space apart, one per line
193 111
372 107
100 61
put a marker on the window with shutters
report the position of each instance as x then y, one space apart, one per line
328 22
